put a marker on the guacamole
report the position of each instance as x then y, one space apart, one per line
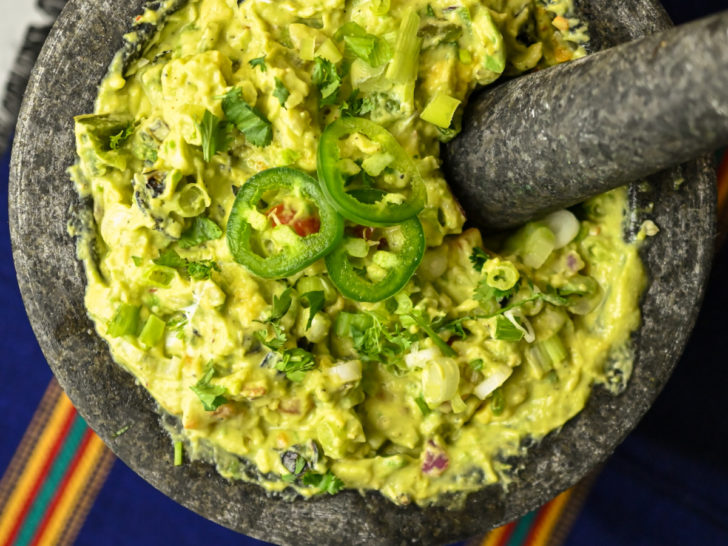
274 254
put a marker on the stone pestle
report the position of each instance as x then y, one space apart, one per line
555 137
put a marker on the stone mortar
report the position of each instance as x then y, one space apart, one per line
52 282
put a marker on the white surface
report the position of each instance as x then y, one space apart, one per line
17 16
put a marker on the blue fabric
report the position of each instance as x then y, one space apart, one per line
667 484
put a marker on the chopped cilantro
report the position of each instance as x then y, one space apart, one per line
215 135
326 483
478 258
199 271
202 229
295 363
418 317
249 121
356 106
281 305
281 92
430 12
278 340
258 62
497 401
486 294
211 396
117 141
327 79
315 301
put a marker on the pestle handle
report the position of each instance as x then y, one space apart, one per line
558 136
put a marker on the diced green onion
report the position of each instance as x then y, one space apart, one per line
329 51
505 330
159 275
440 110
534 243
125 321
424 408
153 331
552 349
464 56
564 225
178 453
192 200
476 364
405 64
497 402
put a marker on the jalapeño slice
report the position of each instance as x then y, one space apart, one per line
375 263
280 223
377 162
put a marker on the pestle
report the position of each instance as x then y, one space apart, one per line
555 137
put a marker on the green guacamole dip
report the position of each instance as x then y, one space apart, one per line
422 396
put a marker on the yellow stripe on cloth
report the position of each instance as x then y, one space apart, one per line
33 466
92 454
548 518
496 536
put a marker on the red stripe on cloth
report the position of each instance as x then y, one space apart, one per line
507 533
42 475
537 522
62 486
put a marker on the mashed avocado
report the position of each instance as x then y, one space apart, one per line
487 345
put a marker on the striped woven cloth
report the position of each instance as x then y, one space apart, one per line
60 465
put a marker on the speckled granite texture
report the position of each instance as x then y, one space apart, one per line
558 136
52 282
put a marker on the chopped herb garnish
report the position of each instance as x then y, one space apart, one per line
215 135
178 453
372 340
295 363
137 260
211 396
315 301
278 340
259 62
281 305
356 106
249 121
281 92
478 258
326 483
202 230
424 408
497 401
418 317
117 141
199 271
371 49
430 12
327 79
485 293
505 330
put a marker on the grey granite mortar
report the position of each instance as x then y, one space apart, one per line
52 283
558 136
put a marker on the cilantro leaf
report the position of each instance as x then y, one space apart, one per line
197 270
202 229
281 305
295 363
281 92
327 79
249 121
315 301
356 106
278 340
486 294
215 135
211 396
259 62
117 141
418 317
478 258
326 483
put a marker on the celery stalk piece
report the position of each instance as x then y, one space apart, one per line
405 64
440 110
329 51
125 321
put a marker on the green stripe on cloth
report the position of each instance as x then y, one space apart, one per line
50 485
523 526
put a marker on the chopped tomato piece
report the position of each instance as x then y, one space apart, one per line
280 215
